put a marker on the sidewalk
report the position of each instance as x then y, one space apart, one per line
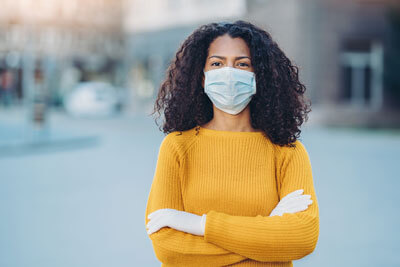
18 136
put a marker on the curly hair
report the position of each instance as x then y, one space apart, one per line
279 106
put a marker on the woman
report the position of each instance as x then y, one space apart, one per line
233 105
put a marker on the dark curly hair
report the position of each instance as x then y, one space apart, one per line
279 106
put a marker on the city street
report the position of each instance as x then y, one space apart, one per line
83 205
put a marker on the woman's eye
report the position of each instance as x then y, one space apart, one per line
216 64
242 64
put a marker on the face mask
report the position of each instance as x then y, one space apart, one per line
230 89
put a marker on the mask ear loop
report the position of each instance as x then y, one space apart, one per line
204 79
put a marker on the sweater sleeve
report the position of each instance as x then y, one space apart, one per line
172 246
277 238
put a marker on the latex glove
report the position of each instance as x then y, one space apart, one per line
292 203
177 219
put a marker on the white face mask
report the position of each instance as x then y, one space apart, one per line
230 89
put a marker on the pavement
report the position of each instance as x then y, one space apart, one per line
83 204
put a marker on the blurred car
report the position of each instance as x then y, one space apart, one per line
93 99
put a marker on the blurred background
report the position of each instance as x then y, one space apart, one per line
78 148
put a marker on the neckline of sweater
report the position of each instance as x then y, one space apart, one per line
212 132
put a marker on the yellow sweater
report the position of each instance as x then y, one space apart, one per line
237 179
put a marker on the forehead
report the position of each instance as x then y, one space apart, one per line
227 46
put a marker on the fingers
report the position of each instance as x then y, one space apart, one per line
298 204
293 194
292 203
295 207
299 200
296 199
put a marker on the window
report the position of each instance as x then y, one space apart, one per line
361 73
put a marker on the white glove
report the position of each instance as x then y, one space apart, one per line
292 203
177 219
195 224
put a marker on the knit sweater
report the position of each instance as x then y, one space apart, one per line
237 179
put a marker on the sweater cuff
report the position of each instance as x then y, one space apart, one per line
211 226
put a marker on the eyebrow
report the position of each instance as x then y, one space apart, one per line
221 57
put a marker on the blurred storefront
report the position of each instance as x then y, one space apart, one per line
48 47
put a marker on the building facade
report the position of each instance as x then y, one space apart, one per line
345 51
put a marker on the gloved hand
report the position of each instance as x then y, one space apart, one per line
195 224
177 219
292 203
